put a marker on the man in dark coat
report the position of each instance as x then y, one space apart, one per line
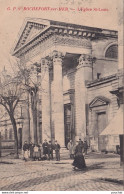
50 150
45 148
57 151
31 148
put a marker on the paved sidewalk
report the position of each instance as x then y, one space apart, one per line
103 173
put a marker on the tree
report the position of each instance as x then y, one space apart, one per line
13 86
30 81
11 91
25 80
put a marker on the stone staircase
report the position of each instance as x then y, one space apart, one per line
64 153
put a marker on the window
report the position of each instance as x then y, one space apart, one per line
112 52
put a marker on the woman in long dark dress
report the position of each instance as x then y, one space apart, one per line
79 161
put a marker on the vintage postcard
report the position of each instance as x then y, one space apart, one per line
61 96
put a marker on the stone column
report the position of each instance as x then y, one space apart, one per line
46 131
58 105
26 122
83 74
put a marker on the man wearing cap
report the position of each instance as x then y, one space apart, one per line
45 148
31 148
50 150
57 151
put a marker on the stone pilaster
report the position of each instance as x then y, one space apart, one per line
83 74
58 105
46 108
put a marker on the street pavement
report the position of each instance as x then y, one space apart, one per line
103 173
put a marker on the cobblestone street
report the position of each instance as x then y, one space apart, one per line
103 173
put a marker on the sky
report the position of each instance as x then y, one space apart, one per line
11 19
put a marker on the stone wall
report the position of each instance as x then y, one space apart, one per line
102 89
103 65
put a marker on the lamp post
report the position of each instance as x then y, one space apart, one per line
20 122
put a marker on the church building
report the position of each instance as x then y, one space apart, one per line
79 69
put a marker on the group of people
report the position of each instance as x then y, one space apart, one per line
45 152
76 153
41 152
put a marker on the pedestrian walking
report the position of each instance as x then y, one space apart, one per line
26 151
79 161
57 151
85 147
70 147
50 150
45 148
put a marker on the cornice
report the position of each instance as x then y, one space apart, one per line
59 28
36 40
101 81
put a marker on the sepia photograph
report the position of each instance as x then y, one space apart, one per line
61 96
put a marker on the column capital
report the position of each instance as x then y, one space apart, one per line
46 62
57 55
85 60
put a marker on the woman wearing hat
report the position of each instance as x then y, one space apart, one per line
79 161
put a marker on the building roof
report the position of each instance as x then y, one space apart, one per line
115 126
36 30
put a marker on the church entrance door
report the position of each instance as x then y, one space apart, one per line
101 124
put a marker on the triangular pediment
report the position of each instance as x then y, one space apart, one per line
30 30
99 101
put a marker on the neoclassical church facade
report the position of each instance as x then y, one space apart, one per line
79 69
